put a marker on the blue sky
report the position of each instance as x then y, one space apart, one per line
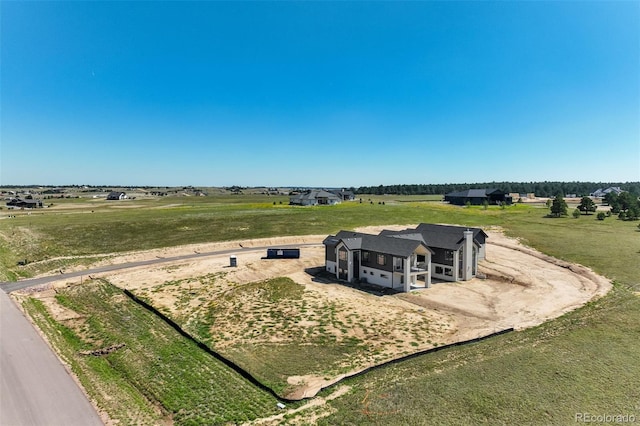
318 93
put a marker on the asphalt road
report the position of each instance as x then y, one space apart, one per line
8 287
35 388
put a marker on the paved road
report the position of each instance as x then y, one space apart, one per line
8 287
35 388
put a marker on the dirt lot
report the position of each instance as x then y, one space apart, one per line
522 288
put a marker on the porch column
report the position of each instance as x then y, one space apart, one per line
427 264
407 274
456 267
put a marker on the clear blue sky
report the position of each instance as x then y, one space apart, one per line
318 93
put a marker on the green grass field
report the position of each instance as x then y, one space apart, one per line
98 227
158 375
585 361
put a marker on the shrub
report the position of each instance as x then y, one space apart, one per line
601 216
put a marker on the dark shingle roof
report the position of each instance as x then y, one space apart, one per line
378 243
403 243
441 236
469 193
315 194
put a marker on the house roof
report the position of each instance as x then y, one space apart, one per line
18 200
440 236
379 243
342 192
602 192
469 193
315 194
476 193
403 243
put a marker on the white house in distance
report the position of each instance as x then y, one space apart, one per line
404 259
600 193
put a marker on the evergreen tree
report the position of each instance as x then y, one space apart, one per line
587 205
559 206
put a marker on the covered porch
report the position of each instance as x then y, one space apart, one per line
413 272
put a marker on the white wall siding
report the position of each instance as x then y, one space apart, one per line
376 276
481 252
331 267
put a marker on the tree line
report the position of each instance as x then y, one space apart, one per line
540 189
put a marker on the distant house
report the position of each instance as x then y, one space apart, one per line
24 204
478 197
314 197
404 259
599 193
344 194
116 195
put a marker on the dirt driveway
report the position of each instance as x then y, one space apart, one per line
522 288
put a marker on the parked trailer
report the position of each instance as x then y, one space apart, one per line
283 253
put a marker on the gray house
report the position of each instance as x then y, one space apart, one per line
600 193
116 195
314 197
28 203
344 194
404 259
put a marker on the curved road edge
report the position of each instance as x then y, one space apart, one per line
11 286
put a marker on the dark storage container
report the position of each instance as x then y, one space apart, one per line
283 253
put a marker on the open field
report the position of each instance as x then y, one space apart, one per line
49 237
509 375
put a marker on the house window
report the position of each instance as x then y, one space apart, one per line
448 272
448 255
384 276
439 270
364 271
382 259
365 256
342 255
